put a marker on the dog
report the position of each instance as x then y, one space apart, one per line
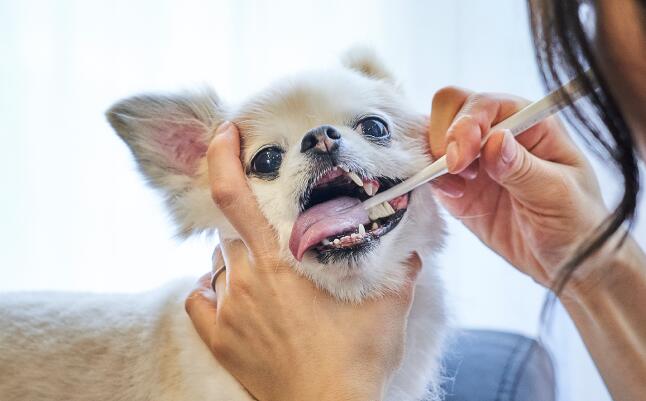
312 144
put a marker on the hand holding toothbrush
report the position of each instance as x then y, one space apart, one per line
532 198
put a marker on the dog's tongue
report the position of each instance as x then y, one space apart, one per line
325 220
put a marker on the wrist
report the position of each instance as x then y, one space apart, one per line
605 275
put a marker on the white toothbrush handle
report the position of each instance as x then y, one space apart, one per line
519 122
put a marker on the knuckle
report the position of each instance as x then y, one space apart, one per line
267 259
223 195
476 97
220 348
448 94
524 170
226 317
461 126
191 300
211 150
464 121
239 289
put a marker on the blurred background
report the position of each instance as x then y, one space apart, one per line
76 215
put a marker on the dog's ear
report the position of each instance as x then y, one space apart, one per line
169 136
365 61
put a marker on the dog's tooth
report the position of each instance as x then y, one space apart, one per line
354 177
375 225
337 241
367 187
362 229
344 168
326 242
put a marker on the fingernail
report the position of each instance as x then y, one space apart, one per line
509 148
452 151
223 127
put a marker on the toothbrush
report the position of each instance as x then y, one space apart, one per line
378 206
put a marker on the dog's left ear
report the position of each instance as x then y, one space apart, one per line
365 61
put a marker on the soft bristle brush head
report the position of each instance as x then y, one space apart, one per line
380 211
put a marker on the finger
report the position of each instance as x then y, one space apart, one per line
217 260
463 140
221 286
201 307
236 258
231 192
447 102
472 124
516 169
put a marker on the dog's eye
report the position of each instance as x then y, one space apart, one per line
373 127
267 161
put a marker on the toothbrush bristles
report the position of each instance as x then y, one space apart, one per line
380 211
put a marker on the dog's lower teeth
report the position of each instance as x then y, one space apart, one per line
362 229
337 241
375 226
326 242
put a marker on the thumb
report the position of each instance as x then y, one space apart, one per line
515 168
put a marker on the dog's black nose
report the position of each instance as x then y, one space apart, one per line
323 139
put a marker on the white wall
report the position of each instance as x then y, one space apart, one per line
75 215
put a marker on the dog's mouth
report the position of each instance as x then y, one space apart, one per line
332 222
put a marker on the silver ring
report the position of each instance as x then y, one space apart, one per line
215 275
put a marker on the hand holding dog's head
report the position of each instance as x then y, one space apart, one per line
298 138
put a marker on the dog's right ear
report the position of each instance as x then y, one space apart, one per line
169 136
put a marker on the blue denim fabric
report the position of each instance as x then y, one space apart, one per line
482 365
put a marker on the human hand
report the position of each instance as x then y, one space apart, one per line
532 199
279 335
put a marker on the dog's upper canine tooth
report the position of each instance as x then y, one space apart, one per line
344 168
354 177
369 188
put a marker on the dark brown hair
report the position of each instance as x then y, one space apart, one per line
563 51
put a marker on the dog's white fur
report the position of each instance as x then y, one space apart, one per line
56 346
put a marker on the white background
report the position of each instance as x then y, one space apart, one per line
74 213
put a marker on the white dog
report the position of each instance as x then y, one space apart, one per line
312 145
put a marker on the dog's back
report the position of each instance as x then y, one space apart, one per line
73 346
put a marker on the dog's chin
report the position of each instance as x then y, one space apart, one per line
360 276
365 271
351 248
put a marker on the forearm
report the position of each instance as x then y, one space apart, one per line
608 310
